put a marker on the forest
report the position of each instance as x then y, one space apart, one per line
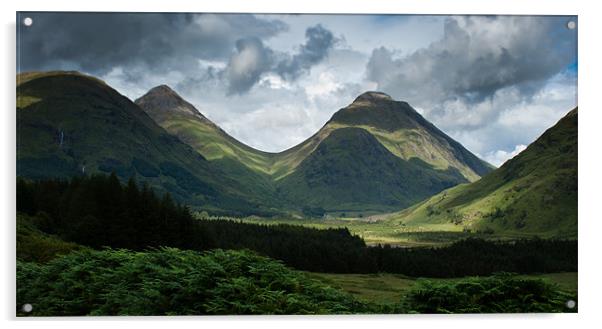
98 211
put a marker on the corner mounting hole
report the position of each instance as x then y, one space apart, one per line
27 21
27 308
571 304
571 25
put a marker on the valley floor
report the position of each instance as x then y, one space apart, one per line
386 288
376 230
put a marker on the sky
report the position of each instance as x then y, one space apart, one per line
493 83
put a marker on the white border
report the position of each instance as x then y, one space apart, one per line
590 141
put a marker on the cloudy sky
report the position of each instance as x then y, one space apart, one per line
492 83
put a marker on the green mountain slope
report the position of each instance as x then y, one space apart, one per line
405 133
351 171
375 155
400 129
183 120
70 124
533 193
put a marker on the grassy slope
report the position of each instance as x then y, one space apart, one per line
405 133
182 119
78 123
351 171
533 193
387 288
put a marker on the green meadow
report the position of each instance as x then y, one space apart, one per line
379 229
384 288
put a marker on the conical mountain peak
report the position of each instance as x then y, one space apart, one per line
379 110
163 99
162 93
164 90
373 96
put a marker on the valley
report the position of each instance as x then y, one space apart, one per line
374 202
217 164
385 231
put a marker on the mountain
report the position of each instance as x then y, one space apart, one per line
406 134
533 193
376 154
69 124
351 171
183 120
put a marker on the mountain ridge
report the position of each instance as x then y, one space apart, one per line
308 176
375 111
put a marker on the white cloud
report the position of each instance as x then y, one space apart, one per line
205 64
275 127
498 157
324 86
274 81
508 120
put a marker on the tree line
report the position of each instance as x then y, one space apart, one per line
98 211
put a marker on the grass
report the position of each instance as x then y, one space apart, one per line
534 193
351 170
375 230
378 288
387 288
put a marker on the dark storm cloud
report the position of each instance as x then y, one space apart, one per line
137 44
97 42
248 63
476 57
319 42
252 59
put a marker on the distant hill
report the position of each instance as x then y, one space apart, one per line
533 193
70 124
